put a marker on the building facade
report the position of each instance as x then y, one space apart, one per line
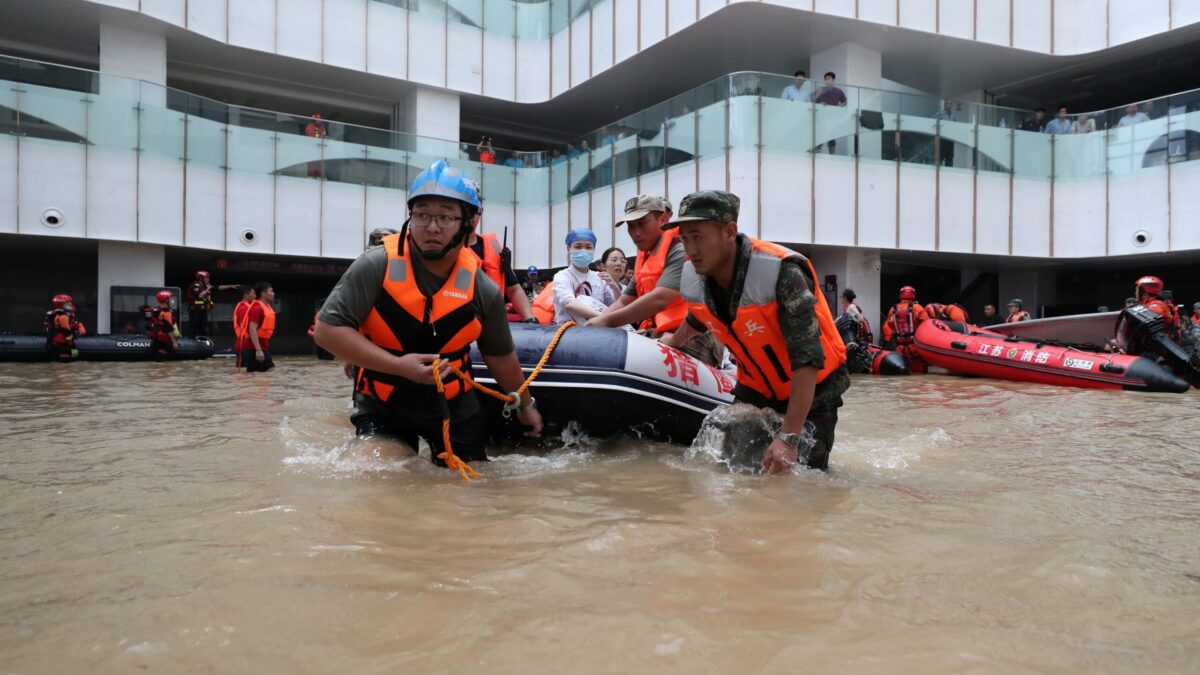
149 138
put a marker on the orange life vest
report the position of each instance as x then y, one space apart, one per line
1017 316
493 265
756 338
646 275
1196 319
162 324
955 312
240 326
265 330
543 306
406 321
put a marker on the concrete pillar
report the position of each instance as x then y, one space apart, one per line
854 64
857 268
124 264
136 54
1035 287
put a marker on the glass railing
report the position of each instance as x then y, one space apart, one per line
739 113
525 19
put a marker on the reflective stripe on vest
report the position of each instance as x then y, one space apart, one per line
543 306
904 318
493 265
756 338
405 321
648 271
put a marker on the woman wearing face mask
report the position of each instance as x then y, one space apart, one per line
612 269
579 293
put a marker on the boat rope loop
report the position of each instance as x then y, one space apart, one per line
511 401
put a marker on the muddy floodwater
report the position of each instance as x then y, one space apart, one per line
185 518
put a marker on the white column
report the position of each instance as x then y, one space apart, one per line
854 64
136 52
124 264
856 268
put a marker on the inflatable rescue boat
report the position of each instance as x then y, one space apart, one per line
608 381
863 357
963 348
101 348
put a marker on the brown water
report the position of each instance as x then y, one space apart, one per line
183 518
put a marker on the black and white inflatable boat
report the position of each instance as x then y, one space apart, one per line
100 348
609 381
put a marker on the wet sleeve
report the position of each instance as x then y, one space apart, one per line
355 293
798 316
495 338
673 268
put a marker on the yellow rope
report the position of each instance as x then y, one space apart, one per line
453 462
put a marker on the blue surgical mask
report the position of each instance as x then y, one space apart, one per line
582 258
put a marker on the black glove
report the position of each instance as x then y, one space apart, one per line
531 320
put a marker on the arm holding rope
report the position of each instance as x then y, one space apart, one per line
348 344
507 371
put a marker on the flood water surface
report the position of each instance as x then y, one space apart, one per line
185 518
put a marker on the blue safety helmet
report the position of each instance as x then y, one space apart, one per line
442 180
581 233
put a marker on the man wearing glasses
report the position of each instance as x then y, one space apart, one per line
422 296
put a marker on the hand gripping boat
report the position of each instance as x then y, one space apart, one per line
100 348
967 349
609 381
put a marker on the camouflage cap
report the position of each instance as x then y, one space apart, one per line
715 205
643 205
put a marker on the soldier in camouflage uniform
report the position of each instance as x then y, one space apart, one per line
758 299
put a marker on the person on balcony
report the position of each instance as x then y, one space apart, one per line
1060 124
1036 123
801 90
487 154
830 95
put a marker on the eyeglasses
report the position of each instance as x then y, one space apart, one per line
423 221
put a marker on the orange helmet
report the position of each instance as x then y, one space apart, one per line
61 299
1152 285
164 295
203 275
908 293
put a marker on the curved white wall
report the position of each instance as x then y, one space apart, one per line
513 58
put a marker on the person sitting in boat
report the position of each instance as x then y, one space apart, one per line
62 327
990 316
579 293
164 333
420 297
758 299
850 307
1149 291
951 312
1016 311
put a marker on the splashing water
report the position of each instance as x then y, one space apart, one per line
738 435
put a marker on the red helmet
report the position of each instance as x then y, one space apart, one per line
317 116
61 299
908 293
203 275
164 295
1152 285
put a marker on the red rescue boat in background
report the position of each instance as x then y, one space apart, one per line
963 348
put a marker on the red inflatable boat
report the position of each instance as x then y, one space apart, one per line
967 349
887 362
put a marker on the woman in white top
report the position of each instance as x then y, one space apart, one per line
1084 124
579 293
